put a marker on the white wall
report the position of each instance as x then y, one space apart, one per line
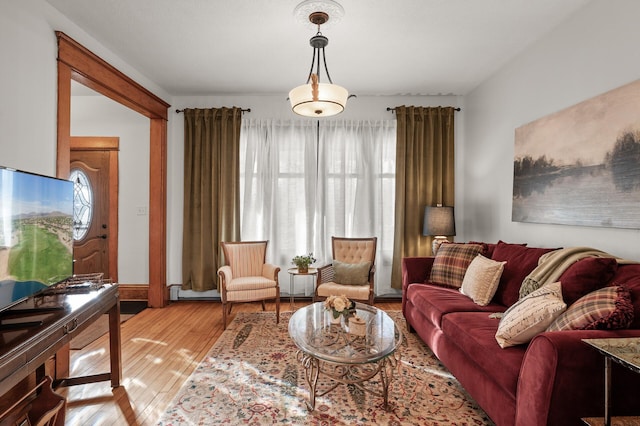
100 116
28 81
28 111
28 87
594 51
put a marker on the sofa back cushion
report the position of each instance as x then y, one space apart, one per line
629 276
488 248
585 276
521 260
451 263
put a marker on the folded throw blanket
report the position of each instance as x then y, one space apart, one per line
551 266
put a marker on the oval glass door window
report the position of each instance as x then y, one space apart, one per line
82 203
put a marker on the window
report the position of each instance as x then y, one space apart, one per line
303 182
82 203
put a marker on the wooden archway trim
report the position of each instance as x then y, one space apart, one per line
93 72
77 63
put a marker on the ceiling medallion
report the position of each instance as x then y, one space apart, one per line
329 7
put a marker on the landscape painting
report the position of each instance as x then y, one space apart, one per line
581 165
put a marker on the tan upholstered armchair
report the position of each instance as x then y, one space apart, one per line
247 277
351 272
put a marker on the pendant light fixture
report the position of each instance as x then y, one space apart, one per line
315 98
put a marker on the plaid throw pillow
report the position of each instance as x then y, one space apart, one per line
451 263
606 309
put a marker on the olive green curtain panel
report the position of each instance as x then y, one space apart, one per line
424 177
211 192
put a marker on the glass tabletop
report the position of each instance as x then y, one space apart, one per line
294 271
312 331
623 350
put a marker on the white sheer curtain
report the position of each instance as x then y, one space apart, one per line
305 181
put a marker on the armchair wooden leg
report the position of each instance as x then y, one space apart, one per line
224 315
264 307
277 310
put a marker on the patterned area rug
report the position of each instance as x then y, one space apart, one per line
251 376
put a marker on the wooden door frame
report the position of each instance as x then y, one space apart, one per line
77 63
110 144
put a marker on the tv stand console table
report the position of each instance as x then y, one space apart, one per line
52 321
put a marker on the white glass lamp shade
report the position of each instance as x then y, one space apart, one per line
331 100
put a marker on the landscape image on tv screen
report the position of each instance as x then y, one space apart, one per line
36 233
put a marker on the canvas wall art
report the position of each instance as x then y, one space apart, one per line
581 165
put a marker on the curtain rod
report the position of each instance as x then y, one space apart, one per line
393 109
242 110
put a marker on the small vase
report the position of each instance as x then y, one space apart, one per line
335 320
303 269
357 326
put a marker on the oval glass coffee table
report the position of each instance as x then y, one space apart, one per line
330 352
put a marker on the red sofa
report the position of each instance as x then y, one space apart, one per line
555 379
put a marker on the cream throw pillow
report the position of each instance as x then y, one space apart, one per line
530 315
481 279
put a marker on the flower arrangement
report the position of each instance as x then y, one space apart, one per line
303 261
339 305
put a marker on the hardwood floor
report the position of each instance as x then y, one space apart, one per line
160 349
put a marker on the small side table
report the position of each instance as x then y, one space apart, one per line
623 351
293 272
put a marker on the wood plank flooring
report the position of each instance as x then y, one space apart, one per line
160 349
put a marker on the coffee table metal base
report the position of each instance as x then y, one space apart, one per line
348 374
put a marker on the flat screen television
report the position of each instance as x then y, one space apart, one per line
36 234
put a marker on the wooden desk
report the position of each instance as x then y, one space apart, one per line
24 351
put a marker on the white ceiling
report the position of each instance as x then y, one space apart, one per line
379 47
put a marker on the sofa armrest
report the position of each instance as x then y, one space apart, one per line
415 270
562 378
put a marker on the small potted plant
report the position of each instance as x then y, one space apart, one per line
302 262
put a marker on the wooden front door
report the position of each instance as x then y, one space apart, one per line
95 204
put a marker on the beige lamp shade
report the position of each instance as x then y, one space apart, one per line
439 222
331 100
